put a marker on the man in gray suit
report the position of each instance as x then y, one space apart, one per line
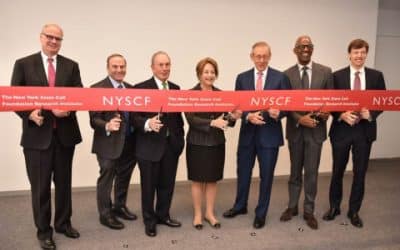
305 132
114 146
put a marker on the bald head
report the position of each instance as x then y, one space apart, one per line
303 49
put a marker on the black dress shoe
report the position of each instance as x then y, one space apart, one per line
198 226
355 219
311 221
111 222
289 213
258 222
70 232
232 212
331 214
124 213
150 230
216 225
48 244
170 222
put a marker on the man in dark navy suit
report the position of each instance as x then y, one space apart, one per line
49 136
353 130
260 135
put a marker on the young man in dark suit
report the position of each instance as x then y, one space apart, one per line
305 132
260 135
49 136
114 146
159 145
353 130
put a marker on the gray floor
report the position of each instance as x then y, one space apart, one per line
380 212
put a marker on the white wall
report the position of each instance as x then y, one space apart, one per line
387 60
188 31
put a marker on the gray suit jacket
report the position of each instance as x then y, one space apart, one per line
321 78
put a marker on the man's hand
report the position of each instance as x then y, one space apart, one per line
60 113
365 114
308 121
155 124
349 117
236 114
324 115
273 113
256 118
114 124
36 117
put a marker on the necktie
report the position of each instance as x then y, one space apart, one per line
259 84
305 81
164 86
126 117
51 73
357 81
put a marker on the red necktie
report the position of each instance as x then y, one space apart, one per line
259 84
357 81
51 73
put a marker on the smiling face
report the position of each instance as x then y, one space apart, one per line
358 57
303 50
161 66
260 55
116 67
208 76
51 38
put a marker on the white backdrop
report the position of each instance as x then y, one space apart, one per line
188 31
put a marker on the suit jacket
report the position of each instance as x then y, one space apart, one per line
150 146
200 132
269 134
109 146
321 78
29 71
340 129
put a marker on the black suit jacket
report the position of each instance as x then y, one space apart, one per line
150 146
340 129
200 130
109 146
29 71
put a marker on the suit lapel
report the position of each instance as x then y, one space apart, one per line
39 69
294 75
346 78
316 77
269 80
368 80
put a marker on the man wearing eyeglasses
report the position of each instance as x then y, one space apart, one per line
260 135
49 136
305 132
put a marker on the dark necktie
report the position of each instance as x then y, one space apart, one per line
357 81
126 117
305 81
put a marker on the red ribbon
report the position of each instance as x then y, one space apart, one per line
28 98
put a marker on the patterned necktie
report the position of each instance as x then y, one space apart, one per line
305 81
259 84
357 81
51 73
126 117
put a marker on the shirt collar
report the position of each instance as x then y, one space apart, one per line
159 82
309 66
45 57
115 83
353 70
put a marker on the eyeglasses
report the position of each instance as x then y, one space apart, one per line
50 37
304 46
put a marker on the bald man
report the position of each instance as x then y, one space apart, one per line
305 132
49 136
